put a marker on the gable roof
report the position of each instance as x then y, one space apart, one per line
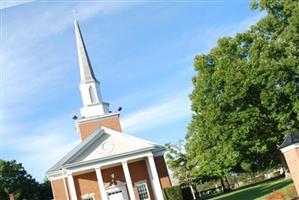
290 139
92 147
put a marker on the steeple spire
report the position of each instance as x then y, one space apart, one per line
93 104
86 70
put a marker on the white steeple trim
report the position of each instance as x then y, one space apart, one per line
93 104
86 72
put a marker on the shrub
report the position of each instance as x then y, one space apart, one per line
173 193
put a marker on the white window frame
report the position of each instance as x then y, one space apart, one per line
90 196
144 182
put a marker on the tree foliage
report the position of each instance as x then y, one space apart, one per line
177 162
14 179
246 95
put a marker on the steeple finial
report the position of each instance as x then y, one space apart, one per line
74 12
86 71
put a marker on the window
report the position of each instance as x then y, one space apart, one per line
92 95
88 197
142 190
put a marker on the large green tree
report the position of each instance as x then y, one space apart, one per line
246 95
14 179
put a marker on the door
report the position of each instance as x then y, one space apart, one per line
116 195
117 192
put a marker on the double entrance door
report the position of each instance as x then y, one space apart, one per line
117 192
117 195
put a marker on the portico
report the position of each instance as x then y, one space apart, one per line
111 174
125 188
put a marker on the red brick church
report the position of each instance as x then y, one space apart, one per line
107 164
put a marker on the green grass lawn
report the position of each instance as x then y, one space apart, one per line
256 191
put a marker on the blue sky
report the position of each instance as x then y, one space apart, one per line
142 53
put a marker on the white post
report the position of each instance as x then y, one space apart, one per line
53 190
70 180
66 190
155 177
101 184
150 176
128 180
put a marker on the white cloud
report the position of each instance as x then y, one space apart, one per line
178 106
11 3
27 74
211 36
25 71
166 111
46 144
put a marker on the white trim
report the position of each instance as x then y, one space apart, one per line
111 131
72 155
73 193
291 147
55 175
83 167
141 183
52 187
118 187
66 189
101 184
160 152
94 118
155 178
128 180
150 176
124 155
78 168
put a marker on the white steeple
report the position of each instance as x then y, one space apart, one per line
93 104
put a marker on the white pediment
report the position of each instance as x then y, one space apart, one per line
110 144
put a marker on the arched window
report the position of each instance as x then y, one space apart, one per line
92 95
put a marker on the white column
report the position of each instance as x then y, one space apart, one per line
66 190
155 178
52 189
101 184
150 177
128 180
71 183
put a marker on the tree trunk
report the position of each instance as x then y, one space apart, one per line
225 184
222 184
228 187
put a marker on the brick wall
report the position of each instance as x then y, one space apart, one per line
138 172
87 184
117 171
58 190
162 172
88 127
292 158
